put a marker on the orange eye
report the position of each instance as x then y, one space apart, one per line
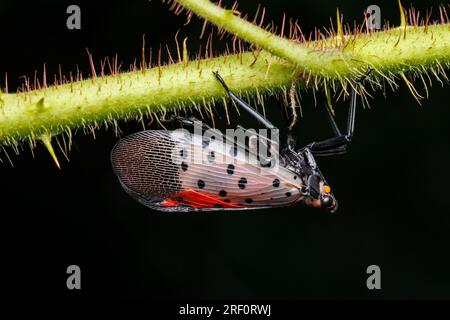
327 189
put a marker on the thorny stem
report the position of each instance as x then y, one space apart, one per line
102 100
341 56
38 115
313 60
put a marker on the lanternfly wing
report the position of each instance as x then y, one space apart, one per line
175 171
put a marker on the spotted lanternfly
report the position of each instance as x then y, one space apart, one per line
156 168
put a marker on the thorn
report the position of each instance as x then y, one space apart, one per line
261 21
143 63
60 74
202 33
46 140
256 14
340 33
40 104
178 47
282 25
411 88
170 56
44 77
402 23
402 18
91 63
6 82
185 51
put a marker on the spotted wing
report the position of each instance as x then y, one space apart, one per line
176 171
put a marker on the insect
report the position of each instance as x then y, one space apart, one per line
156 168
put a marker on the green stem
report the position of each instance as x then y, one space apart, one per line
316 61
41 114
341 56
101 100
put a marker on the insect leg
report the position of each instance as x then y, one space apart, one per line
351 113
291 140
338 144
339 140
331 152
331 120
189 122
244 105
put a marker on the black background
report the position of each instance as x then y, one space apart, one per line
392 187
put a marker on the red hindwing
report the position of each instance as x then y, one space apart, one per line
196 200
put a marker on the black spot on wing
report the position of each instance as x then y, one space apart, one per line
201 184
211 156
242 183
276 183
